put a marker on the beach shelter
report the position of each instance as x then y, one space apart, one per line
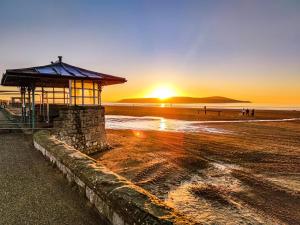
57 83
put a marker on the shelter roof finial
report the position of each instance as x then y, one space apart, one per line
60 59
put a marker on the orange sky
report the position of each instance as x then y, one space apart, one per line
258 90
286 94
247 50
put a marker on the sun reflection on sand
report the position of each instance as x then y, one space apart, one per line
138 133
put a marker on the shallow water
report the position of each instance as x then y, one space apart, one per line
162 124
158 124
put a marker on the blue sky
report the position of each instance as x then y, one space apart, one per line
240 49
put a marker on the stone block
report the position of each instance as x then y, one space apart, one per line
83 128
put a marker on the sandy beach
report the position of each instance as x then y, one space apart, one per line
198 113
229 173
250 174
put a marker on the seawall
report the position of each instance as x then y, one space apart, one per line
115 198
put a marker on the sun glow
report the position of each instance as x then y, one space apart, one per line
163 92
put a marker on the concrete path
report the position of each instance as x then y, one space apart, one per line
32 192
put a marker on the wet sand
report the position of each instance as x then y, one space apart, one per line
251 174
197 114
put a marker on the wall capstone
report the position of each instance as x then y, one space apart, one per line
115 198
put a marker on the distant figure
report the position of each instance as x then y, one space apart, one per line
247 112
205 110
243 111
252 112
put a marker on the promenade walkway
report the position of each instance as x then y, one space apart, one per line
32 192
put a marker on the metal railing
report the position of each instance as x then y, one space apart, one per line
12 99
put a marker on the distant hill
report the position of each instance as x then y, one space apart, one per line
186 100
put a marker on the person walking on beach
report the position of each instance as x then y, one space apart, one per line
243 111
252 112
205 109
247 112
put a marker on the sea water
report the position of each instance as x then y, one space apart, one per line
261 106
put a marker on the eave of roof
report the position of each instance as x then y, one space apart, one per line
59 72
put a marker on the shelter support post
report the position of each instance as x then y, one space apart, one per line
48 116
53 96
70 92
99 94
23 102
25 105
29 104
33 108
82 92
43 105
40 104
75 93
21 98
94 100
64 95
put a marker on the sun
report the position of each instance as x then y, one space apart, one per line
163 92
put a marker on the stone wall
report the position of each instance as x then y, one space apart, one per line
115 198
82 128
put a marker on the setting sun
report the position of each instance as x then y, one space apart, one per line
163 92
